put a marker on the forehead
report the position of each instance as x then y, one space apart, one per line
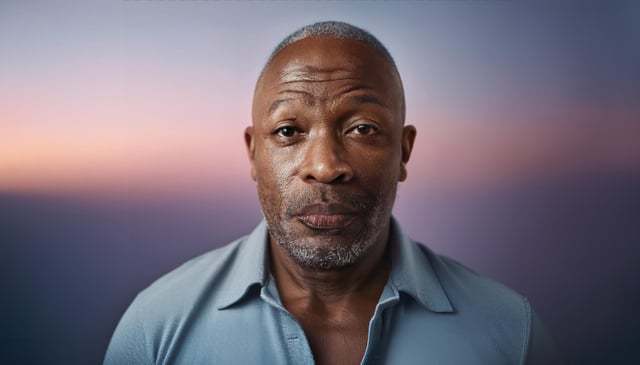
322 64
317 59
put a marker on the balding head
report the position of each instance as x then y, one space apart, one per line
342 31
336 30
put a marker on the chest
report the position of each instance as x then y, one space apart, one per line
336 342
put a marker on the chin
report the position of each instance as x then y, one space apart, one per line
326 252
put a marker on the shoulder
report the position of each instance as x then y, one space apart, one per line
485 323
203 273
465 286
506 314
172 305
209 281
484 305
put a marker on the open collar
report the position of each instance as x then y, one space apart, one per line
411 271
250 267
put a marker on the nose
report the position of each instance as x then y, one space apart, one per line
324 161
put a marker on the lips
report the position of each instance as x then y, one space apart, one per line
326 221
326 216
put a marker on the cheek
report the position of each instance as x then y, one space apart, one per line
379 168
275 173
275 169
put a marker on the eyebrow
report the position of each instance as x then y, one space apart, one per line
365 99
276 103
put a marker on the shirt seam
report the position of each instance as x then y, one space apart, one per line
527 331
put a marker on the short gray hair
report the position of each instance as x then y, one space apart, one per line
337 30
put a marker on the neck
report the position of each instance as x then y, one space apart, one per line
363 280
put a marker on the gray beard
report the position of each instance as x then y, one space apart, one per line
333 256
328 257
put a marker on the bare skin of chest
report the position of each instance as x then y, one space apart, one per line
336 339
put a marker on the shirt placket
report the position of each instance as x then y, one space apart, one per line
378 326
295 341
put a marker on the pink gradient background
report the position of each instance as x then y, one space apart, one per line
122 155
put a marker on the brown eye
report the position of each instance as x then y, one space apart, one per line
365 129
285 131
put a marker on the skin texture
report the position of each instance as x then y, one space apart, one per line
328 146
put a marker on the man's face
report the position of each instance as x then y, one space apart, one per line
327 149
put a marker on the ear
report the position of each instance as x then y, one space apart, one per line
250 142
408 137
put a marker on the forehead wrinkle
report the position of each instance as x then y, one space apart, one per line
306 98
360 93
315 79
353 94
364 99
310 73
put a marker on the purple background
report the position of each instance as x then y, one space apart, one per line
121 154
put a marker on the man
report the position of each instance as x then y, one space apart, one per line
329 277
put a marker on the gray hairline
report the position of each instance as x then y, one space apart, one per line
333 29
337 30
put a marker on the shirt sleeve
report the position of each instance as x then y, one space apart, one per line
129 343
542 349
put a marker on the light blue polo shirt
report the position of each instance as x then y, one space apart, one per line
223 308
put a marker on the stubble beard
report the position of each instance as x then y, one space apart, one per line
330 254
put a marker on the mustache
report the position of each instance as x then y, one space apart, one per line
354 201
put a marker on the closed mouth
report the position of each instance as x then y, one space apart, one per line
327 221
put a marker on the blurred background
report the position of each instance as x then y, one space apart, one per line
122 155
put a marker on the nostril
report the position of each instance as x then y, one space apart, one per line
327 176
340 178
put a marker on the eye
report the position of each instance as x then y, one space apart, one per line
365 129
285 131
